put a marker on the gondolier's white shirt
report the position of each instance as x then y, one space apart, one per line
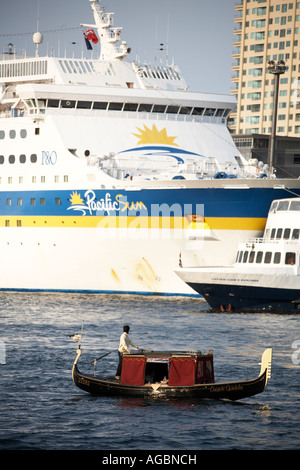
125 342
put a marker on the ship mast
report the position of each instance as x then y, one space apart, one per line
107 34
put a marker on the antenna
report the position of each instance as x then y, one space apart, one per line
37 37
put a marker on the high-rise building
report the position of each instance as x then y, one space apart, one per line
266 30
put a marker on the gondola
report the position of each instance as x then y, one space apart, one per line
171 375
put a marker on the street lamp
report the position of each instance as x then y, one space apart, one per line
276 68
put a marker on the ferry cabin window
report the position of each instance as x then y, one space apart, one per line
1 159
251 256
198 111
295 234
130 107
286 233
259 257
115 106
283 205
279 233
273 232
277 257
159 108
99 105
22 158
53 104
245 257
295 205
84 105
268 256
290 258
68 103
145 108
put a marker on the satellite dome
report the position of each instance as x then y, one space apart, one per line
37 38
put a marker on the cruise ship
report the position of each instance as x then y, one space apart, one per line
112 173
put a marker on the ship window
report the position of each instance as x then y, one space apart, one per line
259 257
145 108
295 205
290 258
1 159
84 105
240 257
19 223
185 110
130 106
99 105
53 103
2 135
9 180
19 202
220 112
68 103
37 131
279 233
172 109
159 108
33 201
22 158
33 179
7 223
251 256
209 112
295 234
23 133
66 178
277 257
268 256
12 134
42 201
8 201
273 233
198 111
58 201
33 158
115 106
11 159
273 206
43 179
245 257
286 233
283 205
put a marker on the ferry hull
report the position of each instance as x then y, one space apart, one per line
138 252
227 297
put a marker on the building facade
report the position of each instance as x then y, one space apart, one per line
266 30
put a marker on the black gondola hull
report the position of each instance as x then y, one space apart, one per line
228 390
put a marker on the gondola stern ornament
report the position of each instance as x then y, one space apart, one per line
266 363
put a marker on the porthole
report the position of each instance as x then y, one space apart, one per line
2 135
23 133
12 134
1 159
11 159
33 158
22 158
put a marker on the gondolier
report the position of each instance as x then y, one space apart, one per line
125 342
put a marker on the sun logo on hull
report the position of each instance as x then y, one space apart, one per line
154 136
75 199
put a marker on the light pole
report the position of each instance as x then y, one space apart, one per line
276 68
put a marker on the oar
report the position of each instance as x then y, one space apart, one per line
103 355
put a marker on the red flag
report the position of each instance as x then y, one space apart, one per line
91 36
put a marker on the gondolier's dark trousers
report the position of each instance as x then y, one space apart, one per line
119 370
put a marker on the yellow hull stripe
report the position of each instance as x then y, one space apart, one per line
211 223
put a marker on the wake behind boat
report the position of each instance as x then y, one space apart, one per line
266 273
171 375
111 168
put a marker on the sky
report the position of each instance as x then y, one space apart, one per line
198 34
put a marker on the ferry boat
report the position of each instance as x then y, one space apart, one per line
266 273
112 172
171 375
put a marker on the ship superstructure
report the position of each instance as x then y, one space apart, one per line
112 173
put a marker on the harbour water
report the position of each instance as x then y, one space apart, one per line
41 409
